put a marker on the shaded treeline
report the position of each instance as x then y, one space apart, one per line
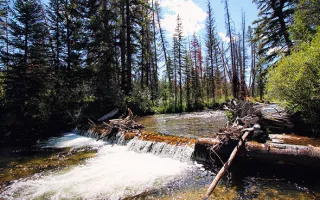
73 59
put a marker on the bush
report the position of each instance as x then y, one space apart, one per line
296 80
139 101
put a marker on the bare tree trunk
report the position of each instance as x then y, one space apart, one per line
180 75
142 57
123 45
175 79
7 34
163 43
148 59
261 83
243 74
234 69
224 72
155 73
68 41
253 70
129 50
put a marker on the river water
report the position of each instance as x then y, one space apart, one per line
194 124
78 167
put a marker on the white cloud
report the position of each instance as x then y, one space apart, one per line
193 17
224 37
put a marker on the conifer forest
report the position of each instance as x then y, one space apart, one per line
64 61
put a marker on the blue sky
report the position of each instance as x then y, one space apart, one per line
193 14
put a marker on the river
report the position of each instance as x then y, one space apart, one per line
78 167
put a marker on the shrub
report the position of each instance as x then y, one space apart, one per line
296 80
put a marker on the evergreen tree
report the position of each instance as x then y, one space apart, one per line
196 71
179 39
100 29
4 14
28 73
275 16
55 11
212 45
188 67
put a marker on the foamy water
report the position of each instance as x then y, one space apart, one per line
72 140
113 174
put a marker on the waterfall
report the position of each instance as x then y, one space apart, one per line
178 152
87 133
116 139
162 149
114 173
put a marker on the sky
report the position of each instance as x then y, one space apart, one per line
194 13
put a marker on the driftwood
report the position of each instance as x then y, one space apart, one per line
254 119
225 166
270 116
109 115
113 126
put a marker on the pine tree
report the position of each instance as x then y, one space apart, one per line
4 14
178 35
212 45
196 85
56 23
28 72
175 71
188 67
275 16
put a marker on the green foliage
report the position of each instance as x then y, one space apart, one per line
272 26
306 20
230 116
296 79
28 73
139 101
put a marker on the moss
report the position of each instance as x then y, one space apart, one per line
130 135
220 192
169 139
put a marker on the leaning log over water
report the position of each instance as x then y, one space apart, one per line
270 152
225 166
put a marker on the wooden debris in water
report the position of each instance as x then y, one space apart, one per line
109 115
110 127
225 166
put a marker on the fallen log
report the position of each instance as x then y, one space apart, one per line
225 166
109 115
304 155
